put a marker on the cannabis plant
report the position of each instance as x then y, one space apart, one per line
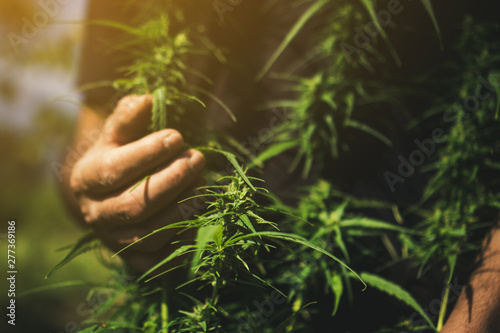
252 246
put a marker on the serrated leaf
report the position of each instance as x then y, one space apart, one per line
159 111
232 159
393 289
298 240
246 221
178 252
205 235
83 245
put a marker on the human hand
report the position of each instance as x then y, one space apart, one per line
103 178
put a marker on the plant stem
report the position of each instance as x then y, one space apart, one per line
442 311
164 308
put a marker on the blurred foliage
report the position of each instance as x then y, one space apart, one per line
30 190
31 197
237 259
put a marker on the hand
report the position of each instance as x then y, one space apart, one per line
103 178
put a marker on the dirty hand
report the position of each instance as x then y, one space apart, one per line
103 178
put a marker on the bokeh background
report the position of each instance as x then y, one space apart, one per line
38 109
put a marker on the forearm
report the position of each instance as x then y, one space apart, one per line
478 307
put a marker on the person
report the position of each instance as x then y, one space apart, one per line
98 188
99 185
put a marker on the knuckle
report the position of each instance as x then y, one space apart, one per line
124 215
75 181
90 214
130 210
107 171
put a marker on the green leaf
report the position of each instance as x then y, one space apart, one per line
193 98
373 14
396 291
340 242
310 12
298 240
337 287
370 130
86 243
246 221
178 252
139 183
370 8
349 101
284 323
274 150
205 235
232 158
368 223
452 260
182 224
428 7
60 285
218 101
159 112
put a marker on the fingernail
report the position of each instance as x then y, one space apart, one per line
172 139
197 161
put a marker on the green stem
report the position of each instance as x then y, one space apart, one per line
164 308
215 290
442 312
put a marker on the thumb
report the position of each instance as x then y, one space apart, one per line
130 120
